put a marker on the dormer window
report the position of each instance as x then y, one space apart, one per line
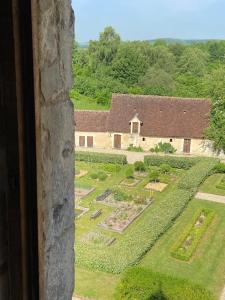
135 128
135 125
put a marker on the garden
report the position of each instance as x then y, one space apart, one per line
127 216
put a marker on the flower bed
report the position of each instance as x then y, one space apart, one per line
130 182
81 193
96 238
189 240
122 217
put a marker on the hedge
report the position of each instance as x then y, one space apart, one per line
141 283
173 161
197 174
195 232
100 157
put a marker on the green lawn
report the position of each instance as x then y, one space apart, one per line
85 103
209 186
207 266
95 285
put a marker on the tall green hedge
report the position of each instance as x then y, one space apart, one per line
173 161
141 283
100 157
197 174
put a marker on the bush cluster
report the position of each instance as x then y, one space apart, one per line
172 161
163 148
99 175
111 168
197 174
101 158
139 166
135 149
141 283
130 173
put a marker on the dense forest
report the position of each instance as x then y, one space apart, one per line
110 65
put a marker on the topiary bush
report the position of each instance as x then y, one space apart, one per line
139 166
154 176
100 157
175 162
141 283
163 148
165 168
94 176
130 173
102 176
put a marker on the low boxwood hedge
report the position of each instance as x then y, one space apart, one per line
195 233
197 174
173 161
141 283
100 157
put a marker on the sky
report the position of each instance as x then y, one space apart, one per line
150 19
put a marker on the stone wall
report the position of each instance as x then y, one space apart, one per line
53 40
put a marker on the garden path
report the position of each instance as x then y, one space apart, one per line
223 295
211 197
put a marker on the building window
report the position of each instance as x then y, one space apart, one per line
82 141
143 139
171 140
90 141
135 127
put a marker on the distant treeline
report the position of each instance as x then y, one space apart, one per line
162 67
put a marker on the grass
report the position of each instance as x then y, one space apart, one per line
207 266
209 186
95 285
85 103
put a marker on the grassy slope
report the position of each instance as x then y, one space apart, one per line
207 267
209 185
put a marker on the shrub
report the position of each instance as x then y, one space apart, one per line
101 157
130 173
102 176
165 168
120 195
94 175
135 149
197 174
173 161
141 283
154 176
111 168
139 166
163 148
219 168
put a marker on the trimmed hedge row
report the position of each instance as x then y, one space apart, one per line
196 233
174 161
101 157
141 283
197 174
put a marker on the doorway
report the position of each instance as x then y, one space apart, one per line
187 146
18 200
117 141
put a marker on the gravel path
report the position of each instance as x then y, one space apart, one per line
210 197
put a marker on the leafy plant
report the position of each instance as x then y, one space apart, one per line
139 166
135 149
219 168
94 175
102 176
164 148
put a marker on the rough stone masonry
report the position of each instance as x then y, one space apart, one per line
55 30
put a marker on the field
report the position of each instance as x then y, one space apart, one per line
100 250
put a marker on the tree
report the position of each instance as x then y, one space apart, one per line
157 78
161 58
193 61
104 50
129 64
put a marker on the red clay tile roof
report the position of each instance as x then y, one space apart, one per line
161 116
92 121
